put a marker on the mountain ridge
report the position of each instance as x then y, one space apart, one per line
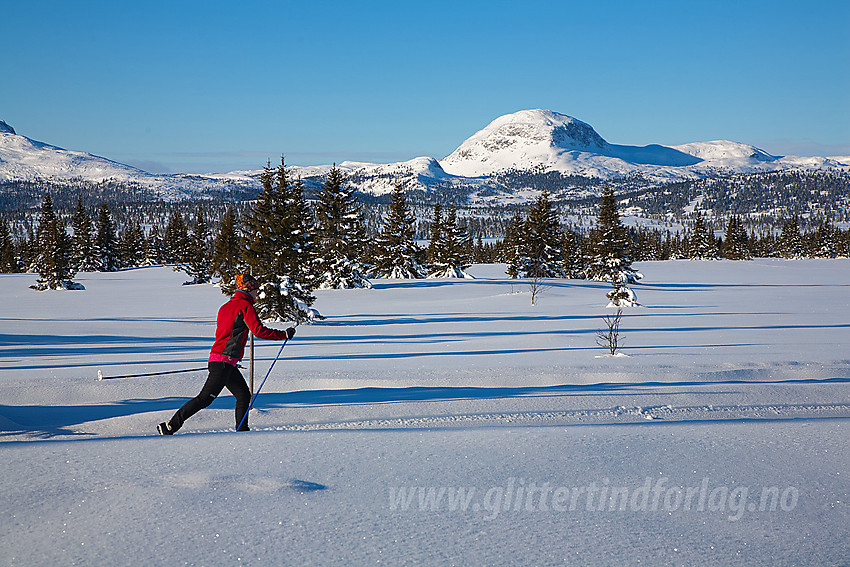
535 141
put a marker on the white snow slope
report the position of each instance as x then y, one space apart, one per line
438 422
23 159
557 142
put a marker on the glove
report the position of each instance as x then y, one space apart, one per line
290 332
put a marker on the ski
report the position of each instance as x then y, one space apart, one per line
100 375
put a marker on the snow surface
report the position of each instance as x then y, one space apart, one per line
725 426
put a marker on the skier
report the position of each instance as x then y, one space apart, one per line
234 320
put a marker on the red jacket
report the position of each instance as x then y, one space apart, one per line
235 318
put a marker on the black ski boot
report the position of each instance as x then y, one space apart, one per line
164 428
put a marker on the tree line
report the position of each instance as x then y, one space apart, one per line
296 245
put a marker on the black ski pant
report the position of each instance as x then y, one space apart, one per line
221 376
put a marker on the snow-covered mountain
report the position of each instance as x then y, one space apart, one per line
528 142
29 160
23 159
417 173
556 142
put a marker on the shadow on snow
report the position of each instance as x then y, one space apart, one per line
54 420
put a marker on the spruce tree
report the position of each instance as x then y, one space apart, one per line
735 242
340 236
790 241
608 250
450 257
701 244
176 239
512 246
742 240
105 244
572 249
53 260
481 252
132 245
842 243
540 253
227 255
621 295
28 247
84 257
436 230
8 256
197 262
824 241
278 247
154 254
395 250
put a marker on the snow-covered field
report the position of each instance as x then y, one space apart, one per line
437 422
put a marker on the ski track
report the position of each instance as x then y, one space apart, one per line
269 420
609 416
437 408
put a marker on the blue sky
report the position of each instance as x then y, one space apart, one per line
218 86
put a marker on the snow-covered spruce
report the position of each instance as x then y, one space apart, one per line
609 257
395 252
53 255
701 243
448 252
197 261
340 236
534 244
621 295
279 248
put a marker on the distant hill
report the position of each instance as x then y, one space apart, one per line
507 161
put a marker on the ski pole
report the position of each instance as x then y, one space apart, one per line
100 375
244 417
